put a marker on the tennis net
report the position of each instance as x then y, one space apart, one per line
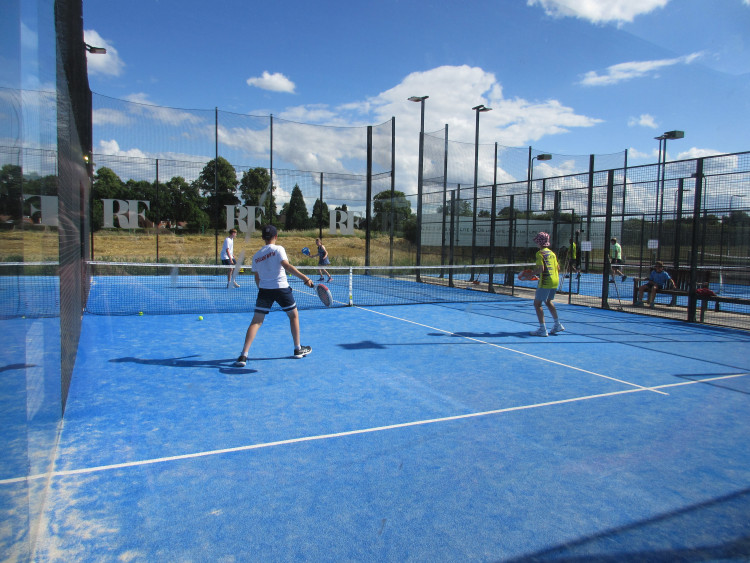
152 289
29 289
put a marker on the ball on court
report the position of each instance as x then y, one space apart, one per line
140 313
200 318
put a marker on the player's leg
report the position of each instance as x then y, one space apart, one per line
557 327
639 295
285 299
263 304
294 327
252 331
542 330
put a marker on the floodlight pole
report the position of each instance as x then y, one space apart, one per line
543 156
478 109
660 191
420 172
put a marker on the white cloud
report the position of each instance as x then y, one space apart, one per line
635 153
168 116
109 64
634 69
453 91
107 116
112 147
599 11
275 82
695 152
513 122
644 120
340 146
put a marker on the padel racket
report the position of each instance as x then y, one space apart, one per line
324 294
525 275
306 251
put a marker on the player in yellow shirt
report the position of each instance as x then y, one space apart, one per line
549 277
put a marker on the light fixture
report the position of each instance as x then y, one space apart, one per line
95 50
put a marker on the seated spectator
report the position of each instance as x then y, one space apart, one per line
657 279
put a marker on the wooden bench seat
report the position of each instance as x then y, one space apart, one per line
705 300
681 279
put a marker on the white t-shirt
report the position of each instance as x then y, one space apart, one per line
267 264
227 248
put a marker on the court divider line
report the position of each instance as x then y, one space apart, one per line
653 389
290 441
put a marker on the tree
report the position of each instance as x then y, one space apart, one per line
10 190
107 185
296 212
183 203
320 218
381 207
220 194
255 182
144 191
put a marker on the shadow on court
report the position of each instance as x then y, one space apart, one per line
718 529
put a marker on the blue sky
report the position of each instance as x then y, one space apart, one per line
570 77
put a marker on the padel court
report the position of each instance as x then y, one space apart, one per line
434 432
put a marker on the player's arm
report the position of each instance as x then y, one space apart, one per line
295 272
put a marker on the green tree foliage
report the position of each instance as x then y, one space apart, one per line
107 185
253 185
10 190
296 212
184 205
220 194
320 217
382 207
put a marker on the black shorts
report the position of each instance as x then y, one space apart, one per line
616 261
228 262
266 297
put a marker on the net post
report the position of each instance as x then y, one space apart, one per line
606 261
351 279
692 301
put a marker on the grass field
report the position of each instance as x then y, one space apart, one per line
141 246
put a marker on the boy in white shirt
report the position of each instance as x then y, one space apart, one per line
270 266
227 255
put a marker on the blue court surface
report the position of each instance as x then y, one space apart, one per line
411 433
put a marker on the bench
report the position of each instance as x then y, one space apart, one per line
719 299
681 279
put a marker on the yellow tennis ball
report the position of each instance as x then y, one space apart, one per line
140 313
200 318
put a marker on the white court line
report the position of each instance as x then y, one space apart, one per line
641 387
303 439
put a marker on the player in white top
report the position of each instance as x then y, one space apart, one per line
270 266
227 255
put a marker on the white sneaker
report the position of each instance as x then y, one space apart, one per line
557 328
541 331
